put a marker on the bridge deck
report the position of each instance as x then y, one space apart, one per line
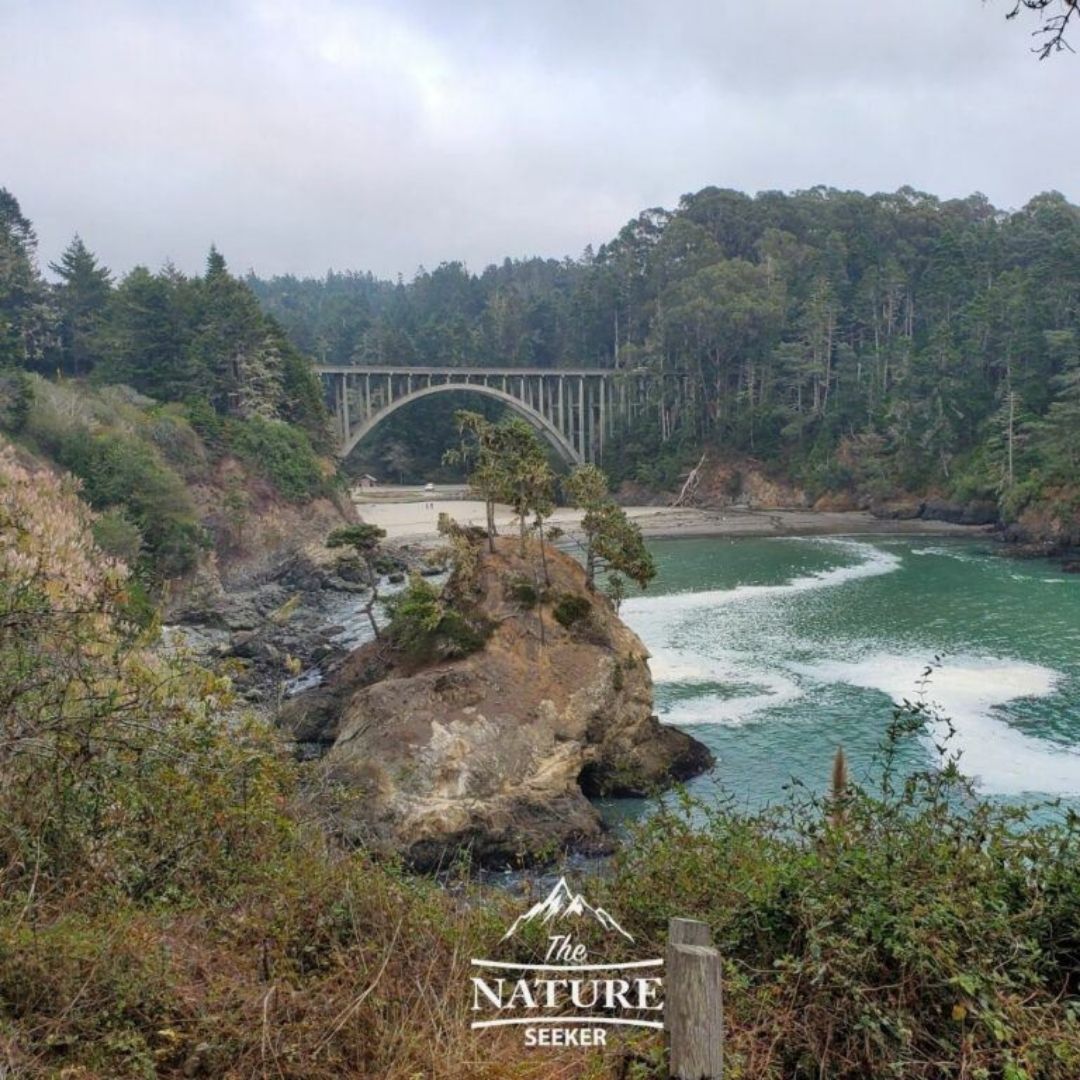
371 369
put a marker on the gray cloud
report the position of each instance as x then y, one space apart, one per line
306 134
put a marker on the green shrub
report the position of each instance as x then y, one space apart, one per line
424 626
281 453
205 420
16 400
523 592
908 930
120 471
117 535
178 442
571 608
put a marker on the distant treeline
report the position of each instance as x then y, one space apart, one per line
875 344
879 343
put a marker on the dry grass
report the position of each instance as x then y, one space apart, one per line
329 967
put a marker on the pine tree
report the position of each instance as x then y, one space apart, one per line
145 338
24 318
82 296
234 344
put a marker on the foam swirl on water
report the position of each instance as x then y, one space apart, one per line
740 654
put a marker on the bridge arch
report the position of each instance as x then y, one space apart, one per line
554 436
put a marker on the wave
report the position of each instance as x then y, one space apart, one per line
767 690
688 648
665 622
967 690
874 563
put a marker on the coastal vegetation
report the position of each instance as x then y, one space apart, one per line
181 896
874 346
174 902
177 403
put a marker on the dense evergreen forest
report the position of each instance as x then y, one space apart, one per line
881 343
143 387
201 340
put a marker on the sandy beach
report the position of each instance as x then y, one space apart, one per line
411 516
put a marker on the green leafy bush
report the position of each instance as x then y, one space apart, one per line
117 535
523 592
571 608
16 399
912 929
281 453
114 762
119 471
424 626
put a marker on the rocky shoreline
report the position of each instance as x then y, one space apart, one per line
284 629
500 753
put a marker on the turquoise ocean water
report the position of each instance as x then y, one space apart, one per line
775 651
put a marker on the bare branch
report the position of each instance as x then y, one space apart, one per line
1053 26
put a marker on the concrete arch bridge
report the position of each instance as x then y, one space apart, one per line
576 410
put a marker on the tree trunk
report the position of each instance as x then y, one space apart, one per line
543 551
369 607
690 486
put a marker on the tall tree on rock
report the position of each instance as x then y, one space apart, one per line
612 541
478 453
527 478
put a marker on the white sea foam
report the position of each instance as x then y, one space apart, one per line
874 562
959 555
688 648
968 690
769 690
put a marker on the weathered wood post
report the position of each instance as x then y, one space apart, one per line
693 1008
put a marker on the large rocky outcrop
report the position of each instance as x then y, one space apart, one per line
496 751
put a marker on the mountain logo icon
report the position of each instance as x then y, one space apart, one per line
563 905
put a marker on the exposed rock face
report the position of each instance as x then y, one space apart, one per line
496 751
975 512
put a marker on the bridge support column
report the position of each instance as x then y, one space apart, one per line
603 416
581 417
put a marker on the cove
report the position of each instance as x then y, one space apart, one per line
774 651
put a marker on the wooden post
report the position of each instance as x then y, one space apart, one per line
689 932
693 1007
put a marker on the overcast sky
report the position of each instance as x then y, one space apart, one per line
300 135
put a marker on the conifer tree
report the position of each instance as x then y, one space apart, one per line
82 298
24 318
